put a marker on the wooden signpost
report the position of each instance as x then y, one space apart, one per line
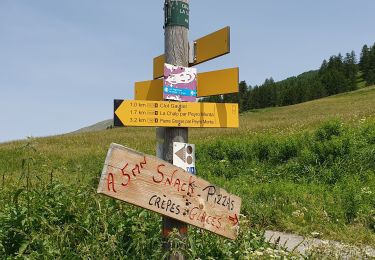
154 183
177 114
151 183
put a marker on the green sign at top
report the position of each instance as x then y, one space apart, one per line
177 13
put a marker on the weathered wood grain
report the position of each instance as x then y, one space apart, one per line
154 184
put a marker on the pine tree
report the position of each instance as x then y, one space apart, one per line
351 71
364 62
371 70
254 98
337 75
243 96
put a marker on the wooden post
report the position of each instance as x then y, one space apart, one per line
176 49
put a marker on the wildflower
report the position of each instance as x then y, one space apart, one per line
298 214
366 190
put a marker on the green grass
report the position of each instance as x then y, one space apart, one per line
303 168
321 181
361 83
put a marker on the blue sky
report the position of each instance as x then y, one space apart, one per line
63 62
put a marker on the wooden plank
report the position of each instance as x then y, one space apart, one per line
212 46
158 70
206 48
178 114
218 82
209 83
151 183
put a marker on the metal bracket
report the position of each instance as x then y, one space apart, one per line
192 52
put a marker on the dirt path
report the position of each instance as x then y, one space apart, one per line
304 245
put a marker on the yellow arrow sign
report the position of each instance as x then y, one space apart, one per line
206 48
218 82
209 84
149 90
212 46
177 114
159 66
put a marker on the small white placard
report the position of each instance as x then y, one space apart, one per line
184 156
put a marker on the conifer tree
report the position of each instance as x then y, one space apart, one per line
364 62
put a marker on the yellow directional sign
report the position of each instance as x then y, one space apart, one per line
149 90
218 82
209 83
212 46
159 66
206 48
177 114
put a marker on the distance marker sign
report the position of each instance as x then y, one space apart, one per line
175 114
149 182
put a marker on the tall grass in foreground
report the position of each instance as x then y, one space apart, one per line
57 221
41 217
320 182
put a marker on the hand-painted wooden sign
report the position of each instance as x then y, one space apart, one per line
180 83
206 48
209 83
176 114
154 184
184 156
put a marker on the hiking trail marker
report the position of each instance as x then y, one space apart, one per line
208 84
176 114
184 156
180 83
151 183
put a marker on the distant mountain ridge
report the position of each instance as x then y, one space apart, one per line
102 125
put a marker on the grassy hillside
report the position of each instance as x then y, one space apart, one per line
294 171
103 125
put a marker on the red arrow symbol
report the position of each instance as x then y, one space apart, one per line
233 219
